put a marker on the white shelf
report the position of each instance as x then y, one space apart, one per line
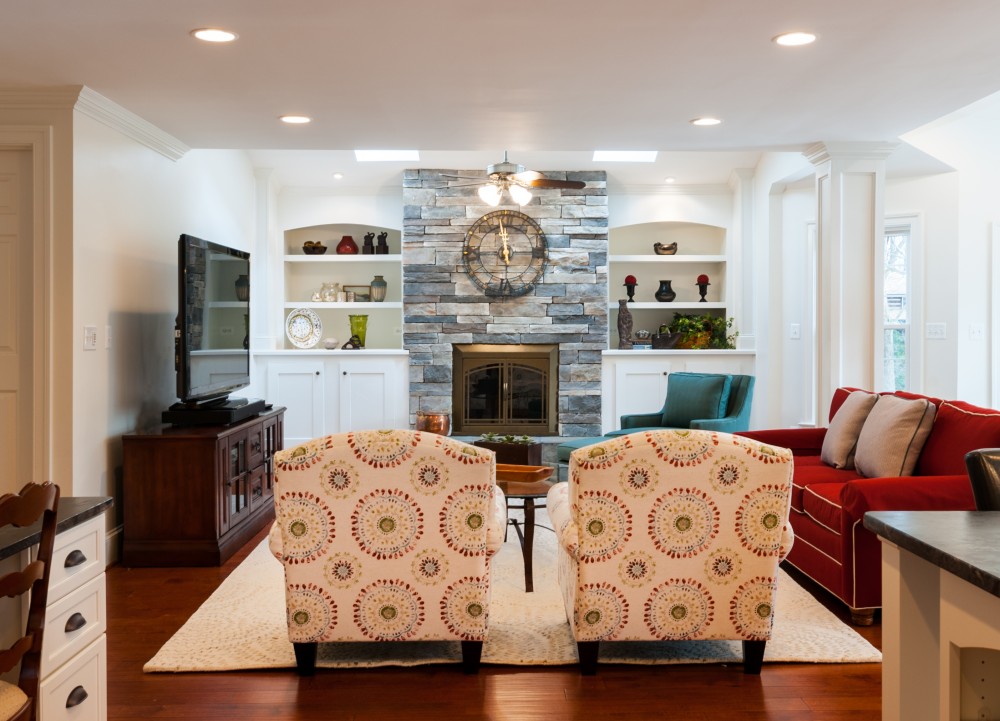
666 258
368 305
334 258
673 305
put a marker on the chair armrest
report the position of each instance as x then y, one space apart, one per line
723 425
558 505
642 420
274 541
496 528
906 493
801 441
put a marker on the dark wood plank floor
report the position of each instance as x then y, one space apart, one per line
146 606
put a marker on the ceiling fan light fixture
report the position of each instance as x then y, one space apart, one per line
490 194
521 196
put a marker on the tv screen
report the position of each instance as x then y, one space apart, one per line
213 321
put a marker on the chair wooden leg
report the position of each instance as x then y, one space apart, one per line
753 656
587 651
472 651
305 658
862 616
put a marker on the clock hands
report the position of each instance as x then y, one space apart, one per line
505 250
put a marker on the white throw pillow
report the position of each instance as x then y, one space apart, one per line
893 436
841 437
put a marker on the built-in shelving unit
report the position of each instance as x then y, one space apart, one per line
305 275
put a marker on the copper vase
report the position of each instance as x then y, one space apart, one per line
439 423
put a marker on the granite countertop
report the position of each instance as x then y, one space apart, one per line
73 510
964 543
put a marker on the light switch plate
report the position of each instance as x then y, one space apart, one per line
90 337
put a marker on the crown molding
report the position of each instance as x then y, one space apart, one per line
818 153
62 96
96 106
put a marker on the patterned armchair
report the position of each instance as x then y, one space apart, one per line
387 536
672 535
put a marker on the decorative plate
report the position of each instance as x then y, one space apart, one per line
303 328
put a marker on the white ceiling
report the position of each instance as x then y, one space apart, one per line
550 81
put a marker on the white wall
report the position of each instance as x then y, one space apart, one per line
131 204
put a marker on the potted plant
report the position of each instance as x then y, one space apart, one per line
703 331
519 450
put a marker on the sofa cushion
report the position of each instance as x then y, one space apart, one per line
841 437
695 395
959 428
821 502
810 470
893 436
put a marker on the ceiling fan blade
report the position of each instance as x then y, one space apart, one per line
527 176
552 183
464 177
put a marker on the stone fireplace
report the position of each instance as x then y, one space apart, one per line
567 310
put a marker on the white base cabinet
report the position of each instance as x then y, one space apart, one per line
635 381
336 391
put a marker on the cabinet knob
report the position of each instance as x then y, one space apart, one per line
317 372
76 697
345 373
75 559
664 372
75 622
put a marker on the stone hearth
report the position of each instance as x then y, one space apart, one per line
569 308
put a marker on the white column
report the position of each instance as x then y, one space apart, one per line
850 184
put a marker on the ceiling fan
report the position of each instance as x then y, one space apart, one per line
515 180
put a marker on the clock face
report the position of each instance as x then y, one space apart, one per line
505 253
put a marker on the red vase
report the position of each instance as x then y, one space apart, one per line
347 246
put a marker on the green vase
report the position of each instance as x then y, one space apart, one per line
359 326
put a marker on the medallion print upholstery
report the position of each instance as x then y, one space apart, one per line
387 523
606 525
463 609
752 608
463 518
301 457
705 515
382 449
342 570
312 612
604 454
760 520
389 611
683 448
683 522
679 608
639 478
430 566
307 527
602 612
428 475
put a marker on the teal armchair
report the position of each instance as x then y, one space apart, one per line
707 401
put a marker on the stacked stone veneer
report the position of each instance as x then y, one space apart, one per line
442 307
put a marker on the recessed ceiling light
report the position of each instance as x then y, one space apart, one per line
794 39
625 156
366 156
214 35
296 119
338 176
670 180
706 121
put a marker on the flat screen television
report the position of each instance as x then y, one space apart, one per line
211 337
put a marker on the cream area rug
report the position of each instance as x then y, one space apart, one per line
242 626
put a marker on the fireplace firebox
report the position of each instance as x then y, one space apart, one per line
505 389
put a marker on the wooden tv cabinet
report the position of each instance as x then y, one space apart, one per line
194 495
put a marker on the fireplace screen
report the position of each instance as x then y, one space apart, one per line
505 389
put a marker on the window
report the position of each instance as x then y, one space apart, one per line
897 307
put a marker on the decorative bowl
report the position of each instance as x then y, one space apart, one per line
311 248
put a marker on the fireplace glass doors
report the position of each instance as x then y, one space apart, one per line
505 389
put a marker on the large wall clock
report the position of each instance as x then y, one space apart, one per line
505 253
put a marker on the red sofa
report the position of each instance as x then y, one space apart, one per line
828 504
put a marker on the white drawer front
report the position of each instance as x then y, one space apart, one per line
85 674
78 557
73 622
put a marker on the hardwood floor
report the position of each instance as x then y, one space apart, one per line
146 606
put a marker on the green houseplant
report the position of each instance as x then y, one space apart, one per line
703 331
520 450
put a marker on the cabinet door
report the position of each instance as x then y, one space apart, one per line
640 387
372 394
236 482
299 386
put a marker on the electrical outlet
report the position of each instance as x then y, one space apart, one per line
977 331
936 331
90 337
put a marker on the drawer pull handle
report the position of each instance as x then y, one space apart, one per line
76 697
75 559
75 622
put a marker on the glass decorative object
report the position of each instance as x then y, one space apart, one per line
359 327
378 288
243 288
